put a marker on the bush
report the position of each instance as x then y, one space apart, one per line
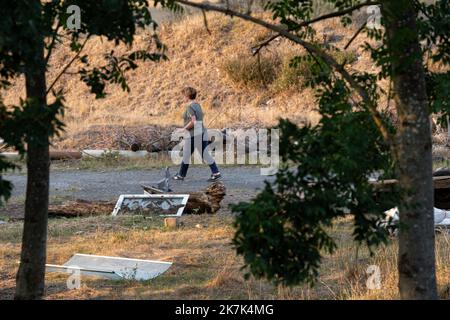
278 73
245 70
344 56
321 7
292 76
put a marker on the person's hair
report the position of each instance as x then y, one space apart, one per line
189 92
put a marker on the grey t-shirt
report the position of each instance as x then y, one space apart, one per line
194 109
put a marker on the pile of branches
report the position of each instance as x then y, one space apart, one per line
151 139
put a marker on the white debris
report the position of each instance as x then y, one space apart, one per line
441 217
162 204
114 268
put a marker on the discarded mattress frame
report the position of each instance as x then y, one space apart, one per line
114 268
160 203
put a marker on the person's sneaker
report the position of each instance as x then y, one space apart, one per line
178 177
215 176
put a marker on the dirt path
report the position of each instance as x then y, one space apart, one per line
242 183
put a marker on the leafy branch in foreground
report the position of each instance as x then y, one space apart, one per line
325 176
30 31
282 232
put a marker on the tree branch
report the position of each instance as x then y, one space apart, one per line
355 35
67 66
52 43
336 14
309 47
256 49
339 13
205 22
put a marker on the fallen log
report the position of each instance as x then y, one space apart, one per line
122 153
440 182
80 208
65 155
205 201
54 155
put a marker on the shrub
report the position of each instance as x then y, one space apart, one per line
347 56
245 69
321 7
291 72
292 76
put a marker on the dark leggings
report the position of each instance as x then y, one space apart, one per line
190 145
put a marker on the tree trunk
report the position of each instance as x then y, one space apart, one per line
30 277
416 260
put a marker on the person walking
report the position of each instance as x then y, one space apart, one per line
197 138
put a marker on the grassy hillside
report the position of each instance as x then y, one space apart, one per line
219 64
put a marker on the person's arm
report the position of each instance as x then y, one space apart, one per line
191 123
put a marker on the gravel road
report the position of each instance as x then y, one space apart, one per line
242 183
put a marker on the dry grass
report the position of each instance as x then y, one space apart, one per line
195 57
250 71
115 162
205 265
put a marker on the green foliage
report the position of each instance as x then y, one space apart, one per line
282 233
21 22
5 186
23 27
114 71
118 21
438 90
26 123
434 26
344 56
297 72
293 74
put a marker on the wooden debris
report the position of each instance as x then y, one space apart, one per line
151 139
152 190
384 185
65 155
81 208
2 145
171 223
440 182
206 201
